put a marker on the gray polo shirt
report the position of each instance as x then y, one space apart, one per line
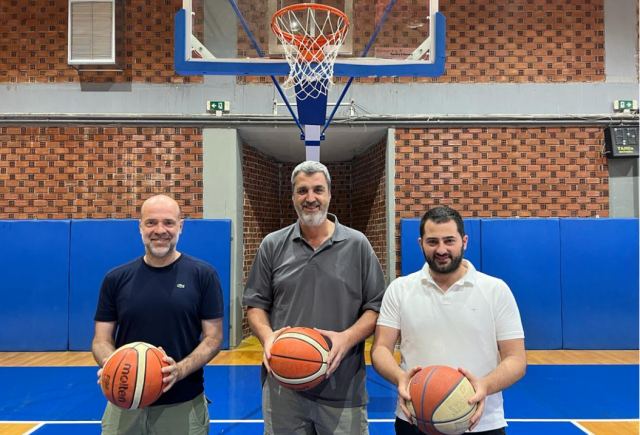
328 288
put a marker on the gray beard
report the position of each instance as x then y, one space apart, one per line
313 220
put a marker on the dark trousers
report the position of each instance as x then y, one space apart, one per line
405 428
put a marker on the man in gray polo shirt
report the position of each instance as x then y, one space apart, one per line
321 274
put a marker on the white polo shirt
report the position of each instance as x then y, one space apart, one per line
458 328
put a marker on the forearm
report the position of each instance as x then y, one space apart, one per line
363 327
508 372
201 355
385 364
101 350
259 323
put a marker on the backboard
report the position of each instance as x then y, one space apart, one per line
385 38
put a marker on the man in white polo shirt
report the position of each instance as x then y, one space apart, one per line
450 314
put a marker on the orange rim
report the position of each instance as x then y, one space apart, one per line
309 47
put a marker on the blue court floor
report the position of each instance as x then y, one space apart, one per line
551 399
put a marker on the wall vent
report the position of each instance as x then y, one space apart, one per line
92 32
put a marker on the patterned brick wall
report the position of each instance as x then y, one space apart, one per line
524 41
519 41
502 172
97 172
33 43
516 41
369 205
262 208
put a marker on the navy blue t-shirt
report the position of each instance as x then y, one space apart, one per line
163 306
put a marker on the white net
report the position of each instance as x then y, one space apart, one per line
311 36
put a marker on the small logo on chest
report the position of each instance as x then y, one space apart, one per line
180 285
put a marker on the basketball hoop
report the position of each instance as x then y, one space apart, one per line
311 35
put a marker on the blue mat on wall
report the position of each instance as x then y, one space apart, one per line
600 283
34 289
525 253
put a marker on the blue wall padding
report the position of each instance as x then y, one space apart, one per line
525 253
210 240
34 289
600 283
411 258
99 245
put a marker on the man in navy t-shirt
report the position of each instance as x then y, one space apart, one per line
172 301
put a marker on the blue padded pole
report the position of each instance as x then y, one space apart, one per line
383 19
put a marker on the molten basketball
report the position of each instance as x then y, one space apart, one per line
299 358
439 400
131 377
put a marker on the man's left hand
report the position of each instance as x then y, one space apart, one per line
340 345
478 398
171 373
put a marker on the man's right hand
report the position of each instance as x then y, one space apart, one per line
403 391
101 368
268 342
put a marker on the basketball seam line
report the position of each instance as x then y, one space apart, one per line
297 359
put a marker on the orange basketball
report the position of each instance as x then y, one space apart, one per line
131 377
299 358
439 400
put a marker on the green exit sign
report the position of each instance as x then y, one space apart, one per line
218 106
625 105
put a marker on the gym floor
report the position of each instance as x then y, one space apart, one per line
564 392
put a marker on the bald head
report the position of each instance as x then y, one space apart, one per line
163 201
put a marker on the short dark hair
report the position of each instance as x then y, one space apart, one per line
440 215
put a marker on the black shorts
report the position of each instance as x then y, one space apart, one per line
405 428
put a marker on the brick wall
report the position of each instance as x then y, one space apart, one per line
97 172
33 43
262 208
524 41
502 172
516 41
519 41
369 205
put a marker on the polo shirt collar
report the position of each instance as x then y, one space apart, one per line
339 234
468 278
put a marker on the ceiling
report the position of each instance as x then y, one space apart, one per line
283 143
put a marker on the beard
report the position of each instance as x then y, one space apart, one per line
161 251
450 267
311 219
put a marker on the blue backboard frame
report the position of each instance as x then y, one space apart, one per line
349 67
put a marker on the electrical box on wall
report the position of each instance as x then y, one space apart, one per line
621 141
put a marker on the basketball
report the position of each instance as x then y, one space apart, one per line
131 377
439 400
299 358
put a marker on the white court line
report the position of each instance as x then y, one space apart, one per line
34 429
582 428
570 420
371 420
